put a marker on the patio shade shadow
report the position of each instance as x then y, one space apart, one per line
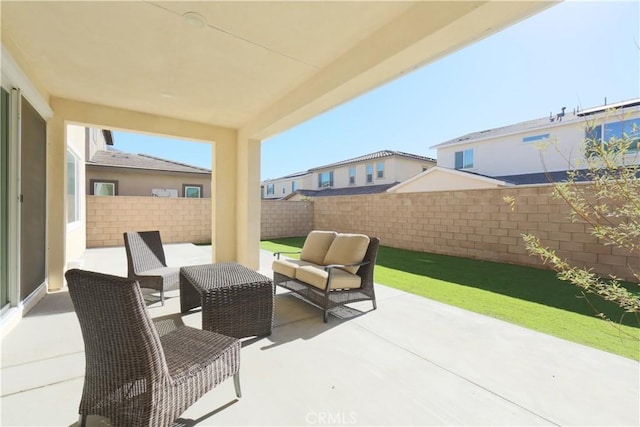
296 319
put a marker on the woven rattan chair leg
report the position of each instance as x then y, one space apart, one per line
236 384
83 420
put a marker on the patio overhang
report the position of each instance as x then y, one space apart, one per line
226 73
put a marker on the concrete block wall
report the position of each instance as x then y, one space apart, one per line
178 219
474 224
286 219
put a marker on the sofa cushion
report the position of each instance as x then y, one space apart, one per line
288 267
316 276
316 245
347 249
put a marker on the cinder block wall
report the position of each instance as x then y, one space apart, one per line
285 219
474 224
178 219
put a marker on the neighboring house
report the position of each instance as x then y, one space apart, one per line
371 173
114 173
531 152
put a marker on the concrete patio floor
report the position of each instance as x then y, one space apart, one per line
412 361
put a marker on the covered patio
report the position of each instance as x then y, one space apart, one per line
228 74
412 361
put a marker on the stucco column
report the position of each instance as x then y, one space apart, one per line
223 200
248 205
56 221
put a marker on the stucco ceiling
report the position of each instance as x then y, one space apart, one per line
263 66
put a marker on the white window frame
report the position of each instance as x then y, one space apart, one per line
465 153
352 176
77 176
106 184
369 173
191 187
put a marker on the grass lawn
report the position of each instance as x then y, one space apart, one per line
529 297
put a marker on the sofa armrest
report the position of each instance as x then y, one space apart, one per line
330 266
277 254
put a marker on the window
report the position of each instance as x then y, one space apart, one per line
270 189
352 176
369 174
534 138
464 159
325 179
73 197
380 170
104 187
616 130
294 186
283 189
192 191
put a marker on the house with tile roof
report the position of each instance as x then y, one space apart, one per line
533 152
367 174
110 172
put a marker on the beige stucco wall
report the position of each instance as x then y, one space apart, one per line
439 180
95 142
75 232
286 218
234 238
178 219
132 182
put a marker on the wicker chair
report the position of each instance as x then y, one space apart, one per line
147 264
133 376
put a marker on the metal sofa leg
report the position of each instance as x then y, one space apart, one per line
162 297
236 384
326 316
375 306
83 420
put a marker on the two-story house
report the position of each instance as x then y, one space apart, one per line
367 174
531 152
111 172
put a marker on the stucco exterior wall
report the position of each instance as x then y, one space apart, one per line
75 241
562 151
285 219
438 180
396 169
133 182
178 219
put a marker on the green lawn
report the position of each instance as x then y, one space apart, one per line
525 296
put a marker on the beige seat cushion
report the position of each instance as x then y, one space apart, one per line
316 245
316 276
347 249
288 267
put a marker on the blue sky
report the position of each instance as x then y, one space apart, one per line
572 55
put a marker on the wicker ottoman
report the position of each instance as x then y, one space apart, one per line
236 301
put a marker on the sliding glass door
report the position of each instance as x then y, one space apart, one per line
4 199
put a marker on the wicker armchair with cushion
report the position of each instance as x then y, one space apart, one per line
134 376
146 262
333 270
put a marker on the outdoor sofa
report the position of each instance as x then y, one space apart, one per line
334 269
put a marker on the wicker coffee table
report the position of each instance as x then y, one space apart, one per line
236 301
